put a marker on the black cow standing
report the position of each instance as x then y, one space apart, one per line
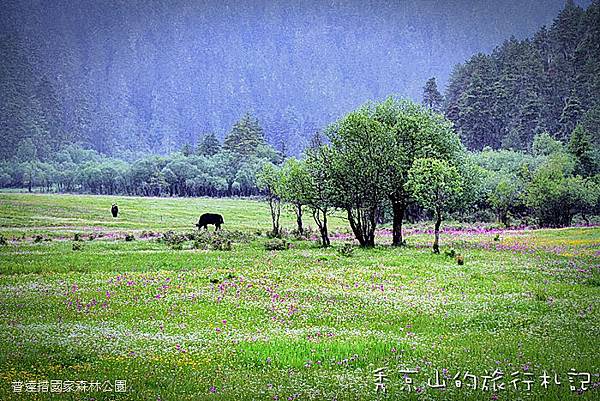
114 210
210 218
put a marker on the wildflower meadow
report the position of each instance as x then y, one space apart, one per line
146 307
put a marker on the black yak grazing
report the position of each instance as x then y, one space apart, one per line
210 218
114 210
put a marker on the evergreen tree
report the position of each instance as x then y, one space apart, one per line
528 86
432 98
570 115
590 121
209 145
476 107
588 157
245 137
187 149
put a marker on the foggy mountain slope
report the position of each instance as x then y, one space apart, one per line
128 77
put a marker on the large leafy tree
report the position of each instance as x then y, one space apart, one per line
411 132
359 148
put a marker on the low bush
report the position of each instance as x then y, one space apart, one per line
276 244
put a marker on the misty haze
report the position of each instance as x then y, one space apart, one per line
299 200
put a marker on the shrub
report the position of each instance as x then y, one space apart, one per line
38 238
220 244
276 244
307 233
76 237
346 249
77 246
173 239
540 294
451 253
129 237
220 240
148 234
272 235
3 240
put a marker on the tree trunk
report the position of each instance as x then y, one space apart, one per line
356 228
274 206
370 228
436 241
398 209
322 224
504 219
299 219
324 234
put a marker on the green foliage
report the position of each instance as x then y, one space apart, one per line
269 181
295 187
209 145
319 192
245 137
505 197
545 145
371 152
346 250
76 170
587 155
26 152
435 184
552 193
432 98
359 148
524 87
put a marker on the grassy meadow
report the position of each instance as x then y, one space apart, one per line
184 321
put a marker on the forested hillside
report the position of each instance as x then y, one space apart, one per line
128 78
546 83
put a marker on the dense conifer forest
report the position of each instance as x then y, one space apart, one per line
78 116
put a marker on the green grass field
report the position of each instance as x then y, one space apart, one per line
188 322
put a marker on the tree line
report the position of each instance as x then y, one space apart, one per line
211 168
396 157
381 163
